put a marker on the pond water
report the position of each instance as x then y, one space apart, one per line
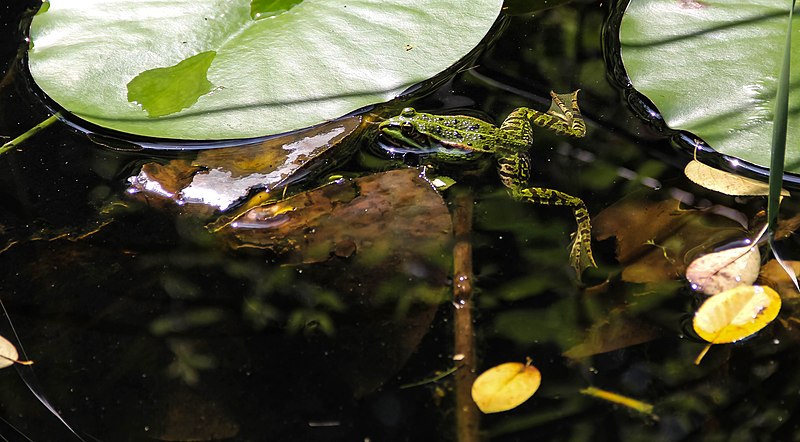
143 325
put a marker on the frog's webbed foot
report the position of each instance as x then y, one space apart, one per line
580 249
563 117
580 255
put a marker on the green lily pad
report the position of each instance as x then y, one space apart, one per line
711 68
212 69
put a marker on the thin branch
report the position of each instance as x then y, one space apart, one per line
467 414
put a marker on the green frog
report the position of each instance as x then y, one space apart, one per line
461 136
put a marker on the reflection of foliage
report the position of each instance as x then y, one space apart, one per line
189 362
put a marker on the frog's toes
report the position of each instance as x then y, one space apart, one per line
580 253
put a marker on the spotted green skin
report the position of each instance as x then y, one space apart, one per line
509 143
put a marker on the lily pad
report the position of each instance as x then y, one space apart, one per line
212 69
711 68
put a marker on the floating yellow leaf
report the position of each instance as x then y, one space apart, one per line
736 313
505 386
725 182
8 353
719 271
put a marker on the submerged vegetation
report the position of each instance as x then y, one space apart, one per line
333 284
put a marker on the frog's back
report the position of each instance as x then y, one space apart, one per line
467 133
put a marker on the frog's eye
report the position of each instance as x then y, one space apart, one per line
407 128
408 112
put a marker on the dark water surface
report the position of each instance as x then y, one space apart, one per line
152 328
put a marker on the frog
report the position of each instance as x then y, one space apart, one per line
452 137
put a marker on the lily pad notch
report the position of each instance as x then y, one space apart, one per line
165 91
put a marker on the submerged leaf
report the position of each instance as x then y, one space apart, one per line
505 386
719 271
378 219
774 275
616 332
654 236
736 313
8 353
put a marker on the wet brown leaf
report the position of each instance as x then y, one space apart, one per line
773 275
655 236
394 213
787 226
218 178
383 241
618 331
188 415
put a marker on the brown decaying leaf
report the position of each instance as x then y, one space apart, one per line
218 178
719 271
616 332
787 226
383 242
773 275
654 235
188 415
725 182
391 213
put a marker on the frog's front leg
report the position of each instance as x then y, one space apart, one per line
563 117
514 170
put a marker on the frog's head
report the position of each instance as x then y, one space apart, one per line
408 129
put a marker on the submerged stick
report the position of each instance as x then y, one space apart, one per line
467 414
31 132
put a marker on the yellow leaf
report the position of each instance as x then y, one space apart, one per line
725 182
505 386
719 271
8 353
736 313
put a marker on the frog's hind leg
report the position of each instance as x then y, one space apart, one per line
580 255
514 170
